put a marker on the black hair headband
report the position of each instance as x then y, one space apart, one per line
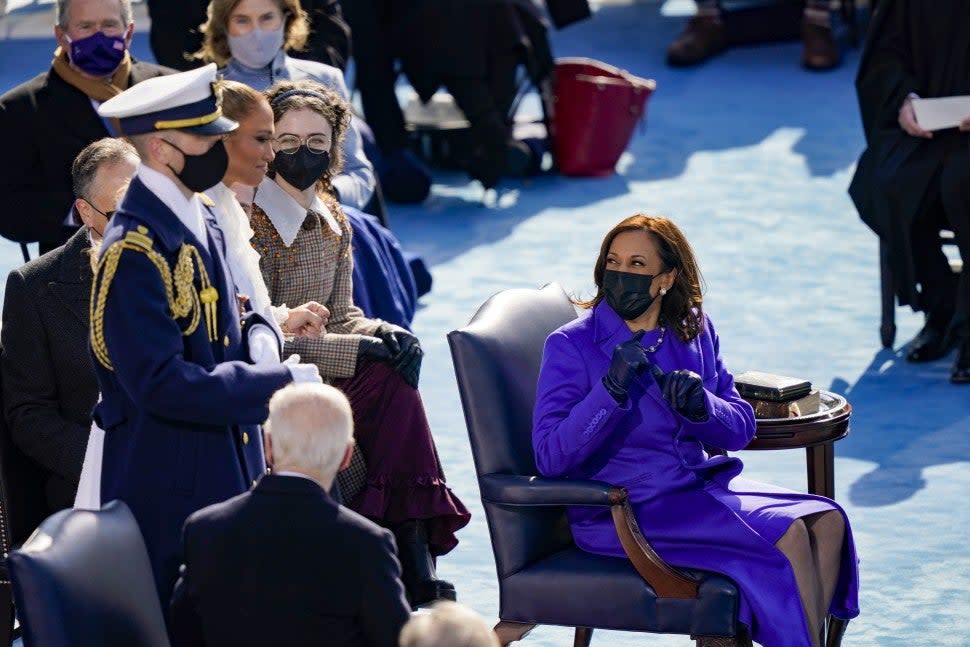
298 92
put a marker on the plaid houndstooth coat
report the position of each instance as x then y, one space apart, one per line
301 273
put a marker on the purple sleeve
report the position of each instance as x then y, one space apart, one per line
574 413
730 424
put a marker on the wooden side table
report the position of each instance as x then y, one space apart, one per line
816 433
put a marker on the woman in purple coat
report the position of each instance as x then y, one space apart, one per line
632 392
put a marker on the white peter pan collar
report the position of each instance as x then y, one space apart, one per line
286 214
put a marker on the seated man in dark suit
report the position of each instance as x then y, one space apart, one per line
50 118
284 564
49 387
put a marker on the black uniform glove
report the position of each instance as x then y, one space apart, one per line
628 360
684 391
405 349
373 348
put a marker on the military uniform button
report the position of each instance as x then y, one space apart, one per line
225 341
245 438
254 482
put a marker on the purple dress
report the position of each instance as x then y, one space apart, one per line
696 510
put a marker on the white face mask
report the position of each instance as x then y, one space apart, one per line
257 48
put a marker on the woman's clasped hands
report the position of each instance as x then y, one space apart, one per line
682 389
308 320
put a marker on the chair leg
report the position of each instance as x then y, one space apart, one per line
836 631
887 328
509 632
583 636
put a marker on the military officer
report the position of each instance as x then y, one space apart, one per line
181 397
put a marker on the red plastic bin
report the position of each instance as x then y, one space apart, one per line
596 107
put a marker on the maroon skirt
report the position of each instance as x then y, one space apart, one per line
404 476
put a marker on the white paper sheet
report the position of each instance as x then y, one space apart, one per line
944 112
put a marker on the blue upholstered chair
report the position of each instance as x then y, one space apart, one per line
543 577
83 579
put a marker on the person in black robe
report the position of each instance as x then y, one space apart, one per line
909 182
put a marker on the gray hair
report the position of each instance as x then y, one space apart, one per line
311 425
63 7
447 624
95 155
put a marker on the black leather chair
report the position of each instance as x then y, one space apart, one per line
543 577
83 578
23 505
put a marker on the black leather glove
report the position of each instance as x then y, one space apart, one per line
373 348
628 360
684 391
405 349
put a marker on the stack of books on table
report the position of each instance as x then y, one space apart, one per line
777 396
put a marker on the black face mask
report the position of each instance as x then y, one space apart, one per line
201 172
301 168
627 293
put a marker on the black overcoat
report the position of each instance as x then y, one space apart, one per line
49 387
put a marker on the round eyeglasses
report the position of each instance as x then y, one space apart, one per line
291 143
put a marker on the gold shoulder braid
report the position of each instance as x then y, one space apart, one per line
183 299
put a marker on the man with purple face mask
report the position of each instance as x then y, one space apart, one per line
91 64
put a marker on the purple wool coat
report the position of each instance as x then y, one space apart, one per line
696 510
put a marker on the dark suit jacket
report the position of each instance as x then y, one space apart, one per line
285 565
44 124
49 387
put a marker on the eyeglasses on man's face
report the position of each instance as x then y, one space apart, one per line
106 214
291 143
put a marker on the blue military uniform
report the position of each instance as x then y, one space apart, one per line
181 403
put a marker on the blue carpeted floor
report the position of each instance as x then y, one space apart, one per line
751 155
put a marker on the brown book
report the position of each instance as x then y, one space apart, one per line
803 406
757 385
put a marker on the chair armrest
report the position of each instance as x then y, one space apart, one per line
515 489
518 490
667 582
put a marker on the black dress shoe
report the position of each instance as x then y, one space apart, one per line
961 366
428 592
930 344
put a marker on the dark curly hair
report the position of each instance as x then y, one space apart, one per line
681 307
310 95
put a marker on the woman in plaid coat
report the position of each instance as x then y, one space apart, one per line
304 242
